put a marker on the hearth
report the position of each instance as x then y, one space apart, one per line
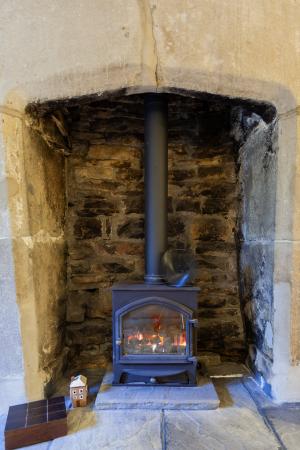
154 339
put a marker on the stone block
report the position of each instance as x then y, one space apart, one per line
188 205
77 304
11 363
213 229
116 267
208 359
207 248
211 301
218 261
214 313
216 171
216 299
134 202
95 206
113 152
132 229
182 175
217 206
80 266
100 305
129 174
257 175
203 396
93 174
92 331
13 178
257 265
129 248
222 335
87 228
176 226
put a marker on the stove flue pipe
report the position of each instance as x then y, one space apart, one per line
156 184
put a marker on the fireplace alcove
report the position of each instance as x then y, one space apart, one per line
222 155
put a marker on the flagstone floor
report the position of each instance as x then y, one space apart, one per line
239 423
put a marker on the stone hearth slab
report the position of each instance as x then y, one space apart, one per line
202 396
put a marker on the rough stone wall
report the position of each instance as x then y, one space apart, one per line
105 216
257 141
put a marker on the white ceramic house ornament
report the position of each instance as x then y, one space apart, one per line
79 391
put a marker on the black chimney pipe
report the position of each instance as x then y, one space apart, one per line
156 184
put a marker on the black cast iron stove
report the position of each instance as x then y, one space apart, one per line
154 339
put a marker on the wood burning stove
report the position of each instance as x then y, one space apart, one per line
154 339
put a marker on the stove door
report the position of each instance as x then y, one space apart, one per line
154 327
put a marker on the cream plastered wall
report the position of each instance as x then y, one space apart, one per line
238 48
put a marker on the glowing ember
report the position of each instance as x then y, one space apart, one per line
139 342
155 334
140 337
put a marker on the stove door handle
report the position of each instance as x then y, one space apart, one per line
194 322
118 341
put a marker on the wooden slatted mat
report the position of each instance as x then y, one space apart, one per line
35 422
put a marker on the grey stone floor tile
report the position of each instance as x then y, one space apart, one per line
108 430
112 430
285 420
223 429
236 425
260 398
232 393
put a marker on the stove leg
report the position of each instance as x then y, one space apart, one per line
117 376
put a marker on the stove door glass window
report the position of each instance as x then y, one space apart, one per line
153 329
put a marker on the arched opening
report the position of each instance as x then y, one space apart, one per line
222 177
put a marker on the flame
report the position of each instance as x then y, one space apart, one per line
156 323
180 339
